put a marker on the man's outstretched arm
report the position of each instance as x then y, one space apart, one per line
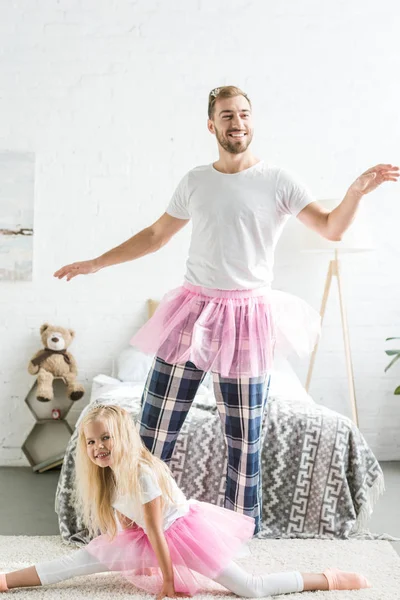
332 224
145 242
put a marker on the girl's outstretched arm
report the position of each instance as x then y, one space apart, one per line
155 533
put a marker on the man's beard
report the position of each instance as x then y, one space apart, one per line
234 147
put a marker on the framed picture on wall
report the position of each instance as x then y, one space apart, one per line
17 172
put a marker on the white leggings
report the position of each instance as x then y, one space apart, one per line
234 577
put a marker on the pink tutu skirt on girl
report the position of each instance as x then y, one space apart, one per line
234 333
201 544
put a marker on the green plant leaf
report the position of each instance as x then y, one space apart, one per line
397 391
392 338
392 362
392 352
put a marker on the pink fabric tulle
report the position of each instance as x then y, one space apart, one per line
201 544
234 333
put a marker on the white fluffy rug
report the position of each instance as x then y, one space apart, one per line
375 559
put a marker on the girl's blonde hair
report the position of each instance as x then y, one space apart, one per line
98 487
226 91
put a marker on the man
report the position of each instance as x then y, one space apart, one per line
223 318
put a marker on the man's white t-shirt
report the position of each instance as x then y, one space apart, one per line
149 490
237 219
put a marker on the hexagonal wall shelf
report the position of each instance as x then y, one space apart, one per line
47 441
45 445
42 410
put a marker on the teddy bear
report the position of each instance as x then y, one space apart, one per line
55 361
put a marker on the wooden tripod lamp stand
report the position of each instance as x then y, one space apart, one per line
334 271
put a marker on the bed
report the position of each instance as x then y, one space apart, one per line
320 479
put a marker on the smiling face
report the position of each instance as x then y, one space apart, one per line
232 124
98 443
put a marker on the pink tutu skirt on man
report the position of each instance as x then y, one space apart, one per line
234 333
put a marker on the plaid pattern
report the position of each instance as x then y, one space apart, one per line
168 395
209 321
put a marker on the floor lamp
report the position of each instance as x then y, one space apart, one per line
356 239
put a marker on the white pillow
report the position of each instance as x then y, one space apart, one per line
133 365
285 384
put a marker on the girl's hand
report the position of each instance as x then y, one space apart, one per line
79 268
372 178
168 591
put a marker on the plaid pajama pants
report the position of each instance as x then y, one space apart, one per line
168 395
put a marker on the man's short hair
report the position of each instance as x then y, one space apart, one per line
226 91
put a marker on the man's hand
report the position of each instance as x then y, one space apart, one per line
371 179
79 268
168 591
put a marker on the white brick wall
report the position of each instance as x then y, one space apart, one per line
111 98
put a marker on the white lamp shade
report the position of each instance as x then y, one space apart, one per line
296 236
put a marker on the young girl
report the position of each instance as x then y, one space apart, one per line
160 541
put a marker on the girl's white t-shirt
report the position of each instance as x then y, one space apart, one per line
237 220
149 490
